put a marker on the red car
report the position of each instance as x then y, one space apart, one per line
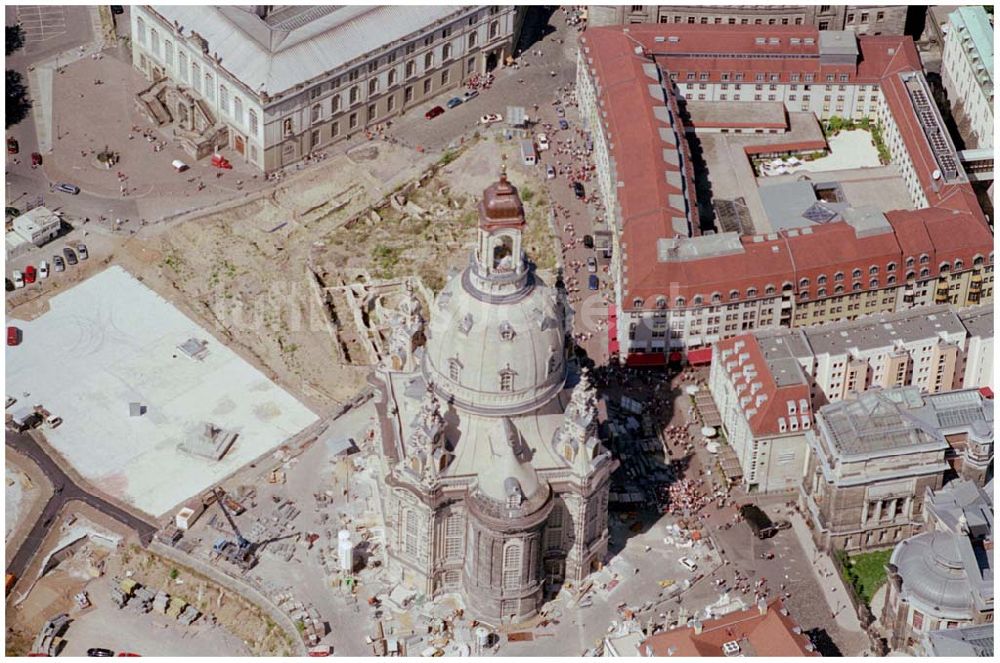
36 159
30 274
128 653
12 146
434 112
13 336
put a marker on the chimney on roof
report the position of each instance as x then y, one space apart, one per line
697 626
762 606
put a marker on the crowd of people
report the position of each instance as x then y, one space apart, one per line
478 82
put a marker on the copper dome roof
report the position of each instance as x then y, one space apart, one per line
501 207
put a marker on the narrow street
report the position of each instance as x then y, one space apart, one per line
65 491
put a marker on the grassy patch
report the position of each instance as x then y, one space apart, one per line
865 572
386 258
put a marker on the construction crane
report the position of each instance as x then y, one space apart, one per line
240 552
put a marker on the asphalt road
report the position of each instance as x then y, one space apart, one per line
65 491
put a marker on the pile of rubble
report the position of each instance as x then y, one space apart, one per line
144 600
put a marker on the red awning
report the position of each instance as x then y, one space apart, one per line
986 392
700 357
676 357
646 359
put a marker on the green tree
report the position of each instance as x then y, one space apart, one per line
18 103
14 38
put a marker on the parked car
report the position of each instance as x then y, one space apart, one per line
592 265
543 142
782 524
13 336
58 264
13 147
43 270
592 282
579 190
18 279
12 212
454 101
36 159
53 421
99 651
9 284
128 653
30 274
71 189
490 118
550 173
70 256
434 112
688 564
471 94
563 124
560 111
81 248
588 241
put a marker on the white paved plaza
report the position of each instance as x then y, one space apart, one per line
848 149
111 341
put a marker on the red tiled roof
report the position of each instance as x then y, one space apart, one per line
770 634
953 228
773 399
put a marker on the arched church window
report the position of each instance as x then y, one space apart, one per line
503 254
454 369
553 362
512 565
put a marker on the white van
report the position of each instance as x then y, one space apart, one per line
528 156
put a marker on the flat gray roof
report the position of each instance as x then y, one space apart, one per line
296 44
729 113
978 320
964 641
875 331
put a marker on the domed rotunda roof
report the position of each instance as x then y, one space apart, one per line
933 574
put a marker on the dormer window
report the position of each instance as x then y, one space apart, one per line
839 276
856 274
679 302
637 302
769 289
506 331
751 293
661 302
507 379
716 297
734 295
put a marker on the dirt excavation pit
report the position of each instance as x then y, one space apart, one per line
256 271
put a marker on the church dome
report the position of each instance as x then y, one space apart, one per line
496 357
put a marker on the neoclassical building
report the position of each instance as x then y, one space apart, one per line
496 481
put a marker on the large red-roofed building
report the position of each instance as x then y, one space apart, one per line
678 287
763 630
